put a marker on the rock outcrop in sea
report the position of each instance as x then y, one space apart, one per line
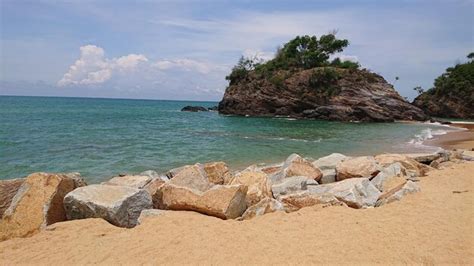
351 95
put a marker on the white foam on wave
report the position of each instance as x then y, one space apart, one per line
427 134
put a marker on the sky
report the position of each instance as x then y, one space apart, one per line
182 50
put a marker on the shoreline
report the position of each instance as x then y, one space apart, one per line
318 234
462 139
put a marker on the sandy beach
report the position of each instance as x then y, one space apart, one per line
430 227
455 140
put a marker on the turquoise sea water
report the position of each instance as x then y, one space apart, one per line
103 137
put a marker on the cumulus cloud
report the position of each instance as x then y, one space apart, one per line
94 68
133 75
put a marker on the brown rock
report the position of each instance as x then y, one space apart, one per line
217 172
193 177
225 202
154 189
356 95
266 205
8 189
296 201
136 181
295 165
411 166
355 167
38 203
258 185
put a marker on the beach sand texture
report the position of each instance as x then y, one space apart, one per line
433 226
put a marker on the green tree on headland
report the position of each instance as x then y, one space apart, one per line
303 52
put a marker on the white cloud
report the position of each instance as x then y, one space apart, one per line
184 64
134 75
94 68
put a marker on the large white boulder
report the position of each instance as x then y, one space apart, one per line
119 205
390 177
397 193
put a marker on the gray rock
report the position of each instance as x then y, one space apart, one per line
267 205
424 158
291 185
330 161
135 181
329 176
8 190
145 214
355 192
119 205
295 165
398 193
79 181
154 175
193 177
391 175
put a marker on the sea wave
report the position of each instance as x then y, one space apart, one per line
427 134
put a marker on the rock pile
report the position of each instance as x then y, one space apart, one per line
41 199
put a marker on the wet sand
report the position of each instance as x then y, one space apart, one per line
455 140
434 226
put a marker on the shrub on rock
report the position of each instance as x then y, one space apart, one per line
119 205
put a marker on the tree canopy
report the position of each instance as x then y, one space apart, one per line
303 52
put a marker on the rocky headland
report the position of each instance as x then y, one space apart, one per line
453 93
302 82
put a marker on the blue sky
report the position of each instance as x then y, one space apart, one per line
184 49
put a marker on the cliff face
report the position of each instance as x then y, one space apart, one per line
452 95
321 93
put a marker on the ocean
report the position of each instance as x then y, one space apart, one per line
101 138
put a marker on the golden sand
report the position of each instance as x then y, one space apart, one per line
434 226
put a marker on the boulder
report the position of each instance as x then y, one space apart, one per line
37 204
194 109
119 205
412 167
424 158
152 174
258 186
329 176
171 173
217 172
355 192
364 166
291 185
296 201
8 189
397 193
154 189
390 177
78 179
266 205
268 169
295 165
135 181
145 214
193 177
330 161
222 201
467 156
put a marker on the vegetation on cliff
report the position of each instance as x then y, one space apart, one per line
306 80
452 94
